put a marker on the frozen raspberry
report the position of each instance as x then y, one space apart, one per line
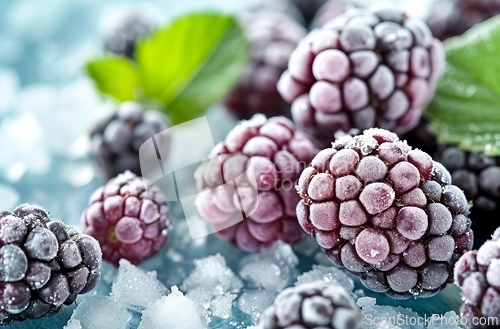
477 273
123 39
116 139
273 36
43 264
365 68
385 212
128 219
251 175
449 18
312 305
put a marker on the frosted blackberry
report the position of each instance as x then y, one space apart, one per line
449 18
477 273
385 212
312 305
123 39
43 264
309 8
128 219
365 68
478 175
273 36
251 175
116 139
330 10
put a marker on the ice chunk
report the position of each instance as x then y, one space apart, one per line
254 302
73 324
211 284
381 317
272 269
135 287
101 312
173 311
449 320
221 305
328 274
213 276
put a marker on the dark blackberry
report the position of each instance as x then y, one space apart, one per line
477 273
386 213
478 175
128 219
364 68
449 18
312 305
123 39
251 175
42 267
309 8
273 36
117 138
330 10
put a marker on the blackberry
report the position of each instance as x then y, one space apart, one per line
478 175
330 10
309 8
477 273
116 139
364 68
123 39
43 264
273 36
386 213
449 18
312 305
128 219
253 171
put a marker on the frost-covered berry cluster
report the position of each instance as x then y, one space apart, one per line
117 138
129 219
43 264
314 304
365 68
477 273
386 213
274 36
253 173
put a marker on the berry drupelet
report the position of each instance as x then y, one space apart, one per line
273 36
117 138
312 305
43 264
365 68
247 186
129 219
386 213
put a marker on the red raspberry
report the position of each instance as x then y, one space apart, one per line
128 221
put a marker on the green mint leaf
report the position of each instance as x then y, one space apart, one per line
114 76
466 107
192 63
